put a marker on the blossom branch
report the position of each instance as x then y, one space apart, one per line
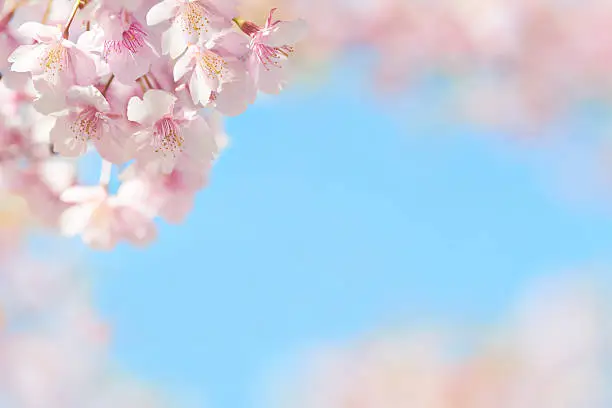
164 124
75 9
108 84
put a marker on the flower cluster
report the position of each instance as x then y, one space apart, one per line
145 85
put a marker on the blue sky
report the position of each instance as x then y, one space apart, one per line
325 220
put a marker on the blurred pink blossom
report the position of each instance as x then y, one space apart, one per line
551 352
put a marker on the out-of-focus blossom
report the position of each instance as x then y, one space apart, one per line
553 352
54 346
552 55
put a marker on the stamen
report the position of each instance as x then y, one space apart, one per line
54 61
86 125
132 41
167 137
212 64
270 56
194 18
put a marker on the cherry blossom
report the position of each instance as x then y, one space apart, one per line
58 60
88 120
104 220
211 65
270 48
191 20
141 84
127 48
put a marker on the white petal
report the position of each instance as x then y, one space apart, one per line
58 174
173 41
87 96
83 194
50 99
40 32
26 58
91 40
200 87
137 111
159 103
75 219
42 128
183 65
162 11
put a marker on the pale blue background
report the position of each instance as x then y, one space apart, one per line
325 219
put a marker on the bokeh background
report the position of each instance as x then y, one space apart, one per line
421 220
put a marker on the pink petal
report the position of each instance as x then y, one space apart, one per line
287 33
39 32
63 139
111 146
75 219
129 67
173 41
87 96
84 66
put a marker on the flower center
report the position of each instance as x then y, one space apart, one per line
87 125
53 61
271 56
212 64
133 39
193 18
167 137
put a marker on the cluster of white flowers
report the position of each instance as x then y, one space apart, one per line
144 84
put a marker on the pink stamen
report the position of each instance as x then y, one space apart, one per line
133 40
270 56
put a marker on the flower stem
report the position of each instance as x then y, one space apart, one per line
146 79
108 84
142 85
105 173
155 81
75 8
